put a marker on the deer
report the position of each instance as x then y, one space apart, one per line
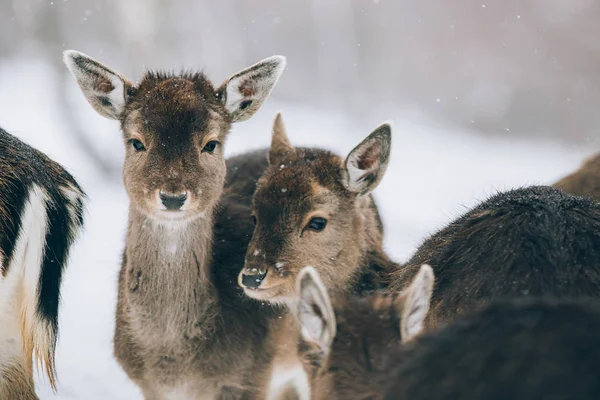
530 241
312 207
370 348
585 181
41 216
349 345
183 329
521 348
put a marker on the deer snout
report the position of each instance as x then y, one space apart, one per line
173 201
252 277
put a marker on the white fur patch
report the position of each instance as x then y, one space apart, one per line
287 376
23 275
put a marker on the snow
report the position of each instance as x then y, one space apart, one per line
435 173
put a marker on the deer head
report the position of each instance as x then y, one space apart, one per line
312 207
347 353
174 128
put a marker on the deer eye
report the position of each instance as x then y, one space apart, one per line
210 146
254 219
137 144
317 224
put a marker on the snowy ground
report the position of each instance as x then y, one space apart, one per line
435 173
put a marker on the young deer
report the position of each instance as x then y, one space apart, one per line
181 331
525 242
350 353
585 181
482 355
520 349
41 214
312 207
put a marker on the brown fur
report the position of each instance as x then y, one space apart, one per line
532 241
16 383
585 181
182 327
301 184
353 359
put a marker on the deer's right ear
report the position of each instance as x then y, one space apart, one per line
281 148
104 89
366 164
314 311
244 93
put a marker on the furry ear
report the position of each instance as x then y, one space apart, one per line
314 311
281 148
366 164
413 303
244 92
104 89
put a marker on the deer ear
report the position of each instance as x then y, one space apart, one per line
366 164
413 303
314 311
104 89
244 92
281 148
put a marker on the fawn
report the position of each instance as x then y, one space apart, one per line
350 353
41 215
182 328
360 351
521 349
312 207
585 181
530 241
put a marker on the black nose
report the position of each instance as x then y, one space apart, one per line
254 280
173 201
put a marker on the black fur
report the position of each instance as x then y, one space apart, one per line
23 166
13 195
520 350
525 242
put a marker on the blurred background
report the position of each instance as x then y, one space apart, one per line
483 96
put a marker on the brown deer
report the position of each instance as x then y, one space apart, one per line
350 353
41 214
360 352
183 330
312 207
532 241
585 181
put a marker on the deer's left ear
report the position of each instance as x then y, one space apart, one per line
366 164
245 91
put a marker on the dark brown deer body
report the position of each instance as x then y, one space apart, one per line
585 181
41 214
526 242
312 207
179 333
523 349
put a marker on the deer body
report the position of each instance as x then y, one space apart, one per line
181 330
585 181
519 349
533 241
41 214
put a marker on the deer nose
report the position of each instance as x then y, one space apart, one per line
253 277
173 201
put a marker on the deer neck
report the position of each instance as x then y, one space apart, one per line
168 277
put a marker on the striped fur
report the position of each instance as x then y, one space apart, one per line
41 213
